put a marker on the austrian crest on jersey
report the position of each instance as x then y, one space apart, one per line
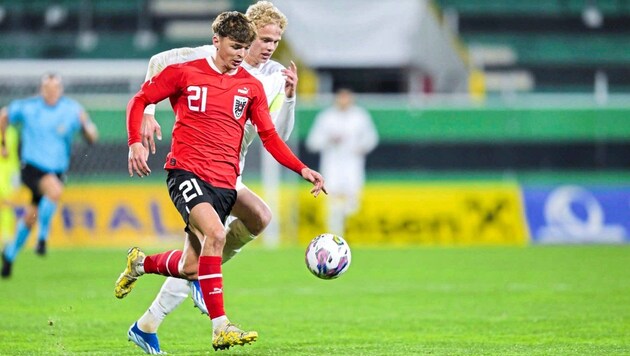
240 102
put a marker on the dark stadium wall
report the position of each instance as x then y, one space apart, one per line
588 139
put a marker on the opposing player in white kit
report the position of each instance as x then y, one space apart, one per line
250 215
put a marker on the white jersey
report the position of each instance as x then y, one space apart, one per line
282 109
344 138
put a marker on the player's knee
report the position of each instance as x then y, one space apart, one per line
260 222
189 274
216 238
189 271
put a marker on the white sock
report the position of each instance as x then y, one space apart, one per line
140 268
237 236
173 292
219 321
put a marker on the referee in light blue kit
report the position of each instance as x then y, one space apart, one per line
47 123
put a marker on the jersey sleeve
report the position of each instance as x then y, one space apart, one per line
280 151
259 110
15 112
284 117
158 88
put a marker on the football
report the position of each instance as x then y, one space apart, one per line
328 256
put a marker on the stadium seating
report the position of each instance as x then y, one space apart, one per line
57 27
532 45
561 43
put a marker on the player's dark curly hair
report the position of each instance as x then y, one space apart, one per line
235 26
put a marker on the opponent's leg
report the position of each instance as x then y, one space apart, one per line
249 217
173 292
144 331
238 235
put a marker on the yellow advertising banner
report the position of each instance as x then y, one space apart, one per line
390 214
446 214
112 215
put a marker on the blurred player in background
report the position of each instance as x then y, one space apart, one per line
213 98
250 214
47 123
343 135
9 183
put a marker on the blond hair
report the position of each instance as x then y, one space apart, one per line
264 13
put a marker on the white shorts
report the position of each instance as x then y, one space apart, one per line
239 183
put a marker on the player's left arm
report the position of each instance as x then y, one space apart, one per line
285 117
88 128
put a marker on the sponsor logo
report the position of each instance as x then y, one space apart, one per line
573 214
244 91
239 106
216 291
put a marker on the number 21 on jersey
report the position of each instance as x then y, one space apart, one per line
197 98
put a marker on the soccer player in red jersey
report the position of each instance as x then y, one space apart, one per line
212 99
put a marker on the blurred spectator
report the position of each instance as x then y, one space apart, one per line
343 134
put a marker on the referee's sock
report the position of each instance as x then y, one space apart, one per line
46 210
21 234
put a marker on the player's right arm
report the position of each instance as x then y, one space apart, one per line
158 88
150 127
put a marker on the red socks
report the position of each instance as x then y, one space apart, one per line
166 263
209 275
211 282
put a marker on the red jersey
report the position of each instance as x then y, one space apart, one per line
210 113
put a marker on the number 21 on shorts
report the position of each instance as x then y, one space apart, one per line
190 189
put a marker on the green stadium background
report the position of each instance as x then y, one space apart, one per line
410 200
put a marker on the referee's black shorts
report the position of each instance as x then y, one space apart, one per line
31 176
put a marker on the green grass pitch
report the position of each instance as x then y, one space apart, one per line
557 300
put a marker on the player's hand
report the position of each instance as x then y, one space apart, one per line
315 178
4 152
138 155
150 127
290 80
